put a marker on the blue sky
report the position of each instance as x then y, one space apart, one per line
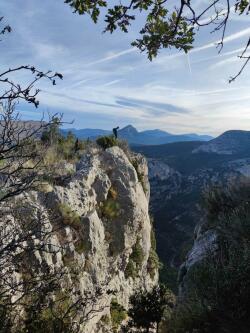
108 83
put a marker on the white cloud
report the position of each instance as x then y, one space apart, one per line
111 83
112 56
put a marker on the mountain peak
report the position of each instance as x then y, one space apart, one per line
129 129
229 142
133 136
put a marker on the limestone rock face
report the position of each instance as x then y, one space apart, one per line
205 244
100 213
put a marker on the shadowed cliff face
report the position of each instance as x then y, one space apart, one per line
99 212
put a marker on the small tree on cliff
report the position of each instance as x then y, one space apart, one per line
147 308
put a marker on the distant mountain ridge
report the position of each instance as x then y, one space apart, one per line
133 136
228 143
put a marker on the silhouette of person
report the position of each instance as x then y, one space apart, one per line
115 131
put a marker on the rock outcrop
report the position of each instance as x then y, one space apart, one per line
102 228
205 243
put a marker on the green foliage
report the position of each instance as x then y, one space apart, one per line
53 318
147 308
242 6
165 31
163 28
131 269
220 205
117 313
107 141
59 148
135 261
52 134
68 216
153 263
137 254
90 7
164 25
218 288
168 276
110 209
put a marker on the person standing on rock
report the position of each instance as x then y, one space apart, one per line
115 131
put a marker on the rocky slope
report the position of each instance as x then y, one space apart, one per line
99 212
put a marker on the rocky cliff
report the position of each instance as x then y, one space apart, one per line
101 232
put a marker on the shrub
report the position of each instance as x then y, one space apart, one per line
147 308
130 270
55 318
68 216
117 313
107 141
110 209
135 261
153 263
137 254
217 290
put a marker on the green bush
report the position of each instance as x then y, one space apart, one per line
147 309
57 318
107 141
137 254
130 270
153 263
110 209
217 297
135 261
117 313
68 216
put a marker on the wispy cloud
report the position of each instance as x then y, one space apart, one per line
224 62
112 56
155 108
111 83
230 38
